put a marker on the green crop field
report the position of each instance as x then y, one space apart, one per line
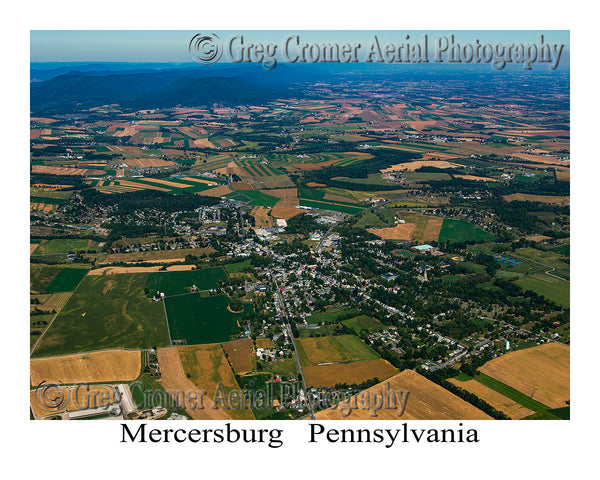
455 230
107 312
237 267
176 283
66 280
199 320
336 207
65 245
337 349
332 315
255 198
363 322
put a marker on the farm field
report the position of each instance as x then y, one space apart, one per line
426 401
106 312
174 379
66 245
331 315
208 368
66 280
336 349
154 255
107 366
199 320
457 230
75 398
240 355
176 283
549 199
41 276
542 372
500 402
349 373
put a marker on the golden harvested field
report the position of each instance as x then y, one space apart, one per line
219 191
208 368
241 186
542 372
495 399
412 166
288 196
426 401
349 373
544 159
240 355
64 170
149 162
202 143
106 366
315 185
32 247
168 183
261 217
173 379
198 180
285 212
549 199
403 231
139 186
75 398
173 255
264 343
475 177
115 270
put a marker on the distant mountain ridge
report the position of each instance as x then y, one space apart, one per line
75 91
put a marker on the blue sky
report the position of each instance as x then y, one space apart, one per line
172 45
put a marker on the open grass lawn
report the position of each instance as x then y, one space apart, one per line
363 322
237 267
177 283
457 230
552 288
337 349
107 312
199 320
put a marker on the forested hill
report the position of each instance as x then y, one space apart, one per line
76 91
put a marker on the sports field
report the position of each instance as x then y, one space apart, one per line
106 312
199 320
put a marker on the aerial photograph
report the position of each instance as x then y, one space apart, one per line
299 225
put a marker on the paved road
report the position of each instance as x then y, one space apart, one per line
289 330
